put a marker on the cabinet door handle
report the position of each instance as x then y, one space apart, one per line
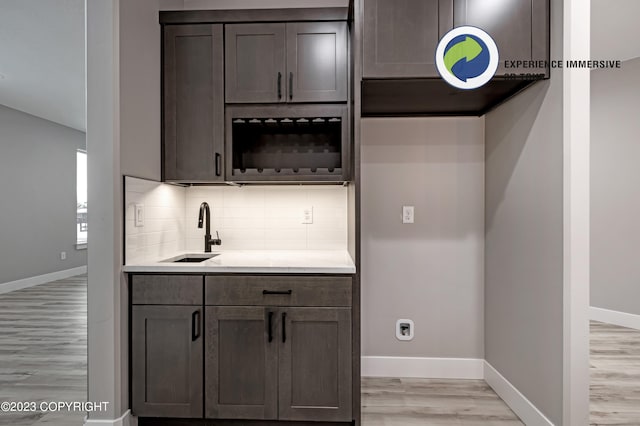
290 85
270 327
218 163
284 327
277 291
195 325
279 85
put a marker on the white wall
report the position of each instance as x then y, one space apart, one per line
430 271
524 238
38 187
107 297
523 279
139 86
615 190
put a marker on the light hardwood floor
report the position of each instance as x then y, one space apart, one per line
43 344
43 350
417 402
615 375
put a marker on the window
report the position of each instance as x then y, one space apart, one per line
81 198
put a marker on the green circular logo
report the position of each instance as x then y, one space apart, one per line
467 57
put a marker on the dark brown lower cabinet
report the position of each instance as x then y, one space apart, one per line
166 361
314 373
230 348
241 363
267 363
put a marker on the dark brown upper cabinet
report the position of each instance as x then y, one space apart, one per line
519 28
286 62
255 63
271 57
297 143
193 103
400 36
317 62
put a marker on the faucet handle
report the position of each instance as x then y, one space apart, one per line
216 241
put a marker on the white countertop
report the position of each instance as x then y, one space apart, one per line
257 261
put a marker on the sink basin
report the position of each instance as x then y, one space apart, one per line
191 258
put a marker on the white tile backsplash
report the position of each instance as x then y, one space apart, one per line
163 233
270 217
247 218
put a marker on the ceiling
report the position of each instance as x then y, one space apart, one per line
42 49
42 59
614 29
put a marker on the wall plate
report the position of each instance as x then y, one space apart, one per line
405 329
139 215
408 214
307 215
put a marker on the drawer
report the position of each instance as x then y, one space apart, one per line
277 291
166 289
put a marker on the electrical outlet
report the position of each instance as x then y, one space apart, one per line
139 215
407 214
404 329
307 215
63 255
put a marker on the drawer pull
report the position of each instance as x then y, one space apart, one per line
270 327
279 85
277 292
195 325
290 86
218 164
284 327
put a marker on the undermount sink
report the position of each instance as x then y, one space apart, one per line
191 258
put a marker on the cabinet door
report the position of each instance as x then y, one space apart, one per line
166 361
315 364
255 63
401 36
241 363
317 62
519 28
193 103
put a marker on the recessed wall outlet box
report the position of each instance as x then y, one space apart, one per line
63 255
407 214
404 329
307 215
139 215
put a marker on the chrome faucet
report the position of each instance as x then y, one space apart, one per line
205 214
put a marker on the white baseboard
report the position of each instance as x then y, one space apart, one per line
41 279
528 413
125 420
608 316
428 368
